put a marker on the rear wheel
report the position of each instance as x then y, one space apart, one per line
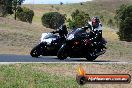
62 54
91 57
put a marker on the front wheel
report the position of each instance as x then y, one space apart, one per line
62 54
35 51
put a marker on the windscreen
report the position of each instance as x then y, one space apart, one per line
50 36
79 32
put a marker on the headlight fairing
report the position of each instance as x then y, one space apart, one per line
71 36
48 41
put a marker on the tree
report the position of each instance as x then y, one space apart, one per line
124 20
74 14
61 3
5 7
24 14
10 6
53 20
15 5
71 23
81 3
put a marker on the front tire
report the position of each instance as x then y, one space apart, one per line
35 51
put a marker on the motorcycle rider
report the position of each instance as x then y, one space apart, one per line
96 29
62 31
95 32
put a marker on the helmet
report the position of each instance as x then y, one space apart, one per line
95 22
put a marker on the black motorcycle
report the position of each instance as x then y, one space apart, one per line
49 45
77 45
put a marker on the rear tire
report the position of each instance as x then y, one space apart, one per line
62 54
91 57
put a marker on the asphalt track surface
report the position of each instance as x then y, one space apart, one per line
28 58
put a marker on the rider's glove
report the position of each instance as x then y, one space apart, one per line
53 32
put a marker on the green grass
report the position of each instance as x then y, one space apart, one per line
24 76
54 75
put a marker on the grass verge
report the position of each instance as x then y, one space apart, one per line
56 75
24 76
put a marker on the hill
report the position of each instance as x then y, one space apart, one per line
105 8
18 37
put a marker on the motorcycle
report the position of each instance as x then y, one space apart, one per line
78 46
49 45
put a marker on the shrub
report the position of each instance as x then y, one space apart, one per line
124 20
24 14
53 20
61 3
71 23
79 19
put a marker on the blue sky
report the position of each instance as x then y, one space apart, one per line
52 1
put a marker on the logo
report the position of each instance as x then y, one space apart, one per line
82 78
